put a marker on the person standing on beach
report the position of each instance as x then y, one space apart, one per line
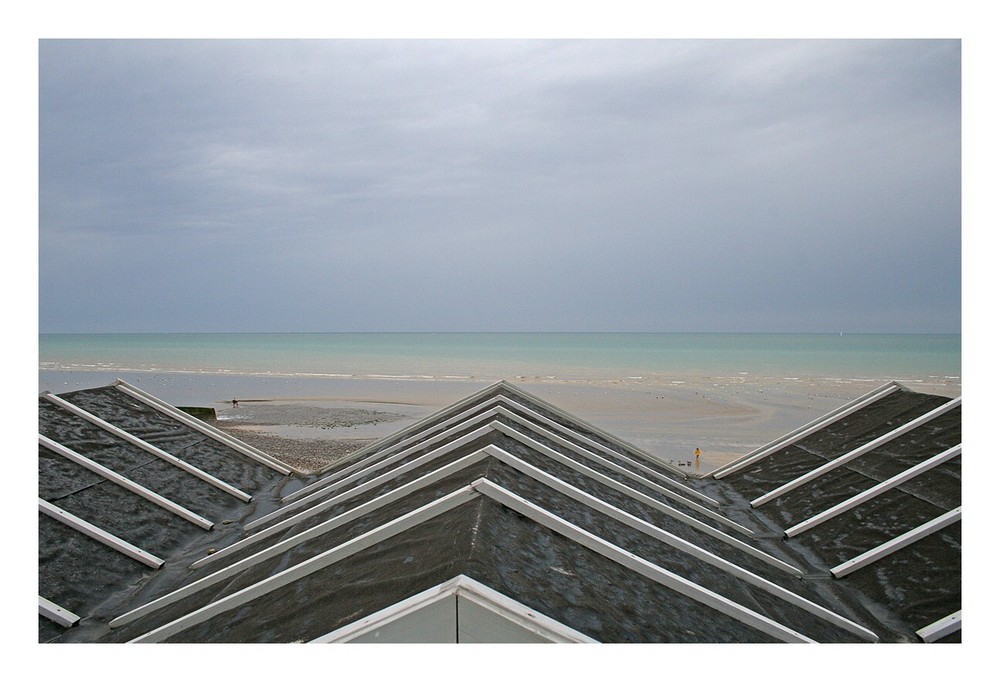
697 453
236 403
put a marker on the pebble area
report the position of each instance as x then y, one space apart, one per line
306 437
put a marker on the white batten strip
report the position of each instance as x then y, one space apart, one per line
294 541
432 432
538 447
309 566
323 506
56 613
374 451
556 426
874 491
650 501
334 481
587 426
614 466
199 425
638 564
364 508
392 473
451 501
887 548
680 544
807 429
427 423
385 451
125 483
148 447
357 512
631 492
857 452
92 531
941 628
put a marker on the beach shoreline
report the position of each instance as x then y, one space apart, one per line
313 421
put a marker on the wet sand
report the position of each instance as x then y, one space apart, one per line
309 433
313 420
312 424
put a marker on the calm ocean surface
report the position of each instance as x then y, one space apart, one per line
493 356
666 393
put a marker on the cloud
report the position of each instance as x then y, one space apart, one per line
493 185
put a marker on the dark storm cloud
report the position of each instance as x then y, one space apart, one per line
495 185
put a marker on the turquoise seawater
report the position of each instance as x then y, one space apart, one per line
556 356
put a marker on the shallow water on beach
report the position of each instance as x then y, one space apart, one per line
666 393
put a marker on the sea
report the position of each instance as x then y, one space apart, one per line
665 393
554 357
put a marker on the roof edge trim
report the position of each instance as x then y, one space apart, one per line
441 505
390 456
646 469
485 392
460 586
439 451
364 508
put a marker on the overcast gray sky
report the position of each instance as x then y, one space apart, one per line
638 185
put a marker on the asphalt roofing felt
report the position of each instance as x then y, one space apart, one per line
536 525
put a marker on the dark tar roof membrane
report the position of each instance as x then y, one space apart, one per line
495 545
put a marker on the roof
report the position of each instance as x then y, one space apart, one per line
875 497
503 518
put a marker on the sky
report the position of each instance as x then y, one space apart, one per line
500 185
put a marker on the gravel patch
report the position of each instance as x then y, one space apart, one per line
273 413
307 437
306 455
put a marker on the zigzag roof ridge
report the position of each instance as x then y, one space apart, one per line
421 423
616 554
492 391
596 430
534 489
447 438
319 501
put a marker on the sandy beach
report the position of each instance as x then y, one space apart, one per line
307 433
310 398
310 424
